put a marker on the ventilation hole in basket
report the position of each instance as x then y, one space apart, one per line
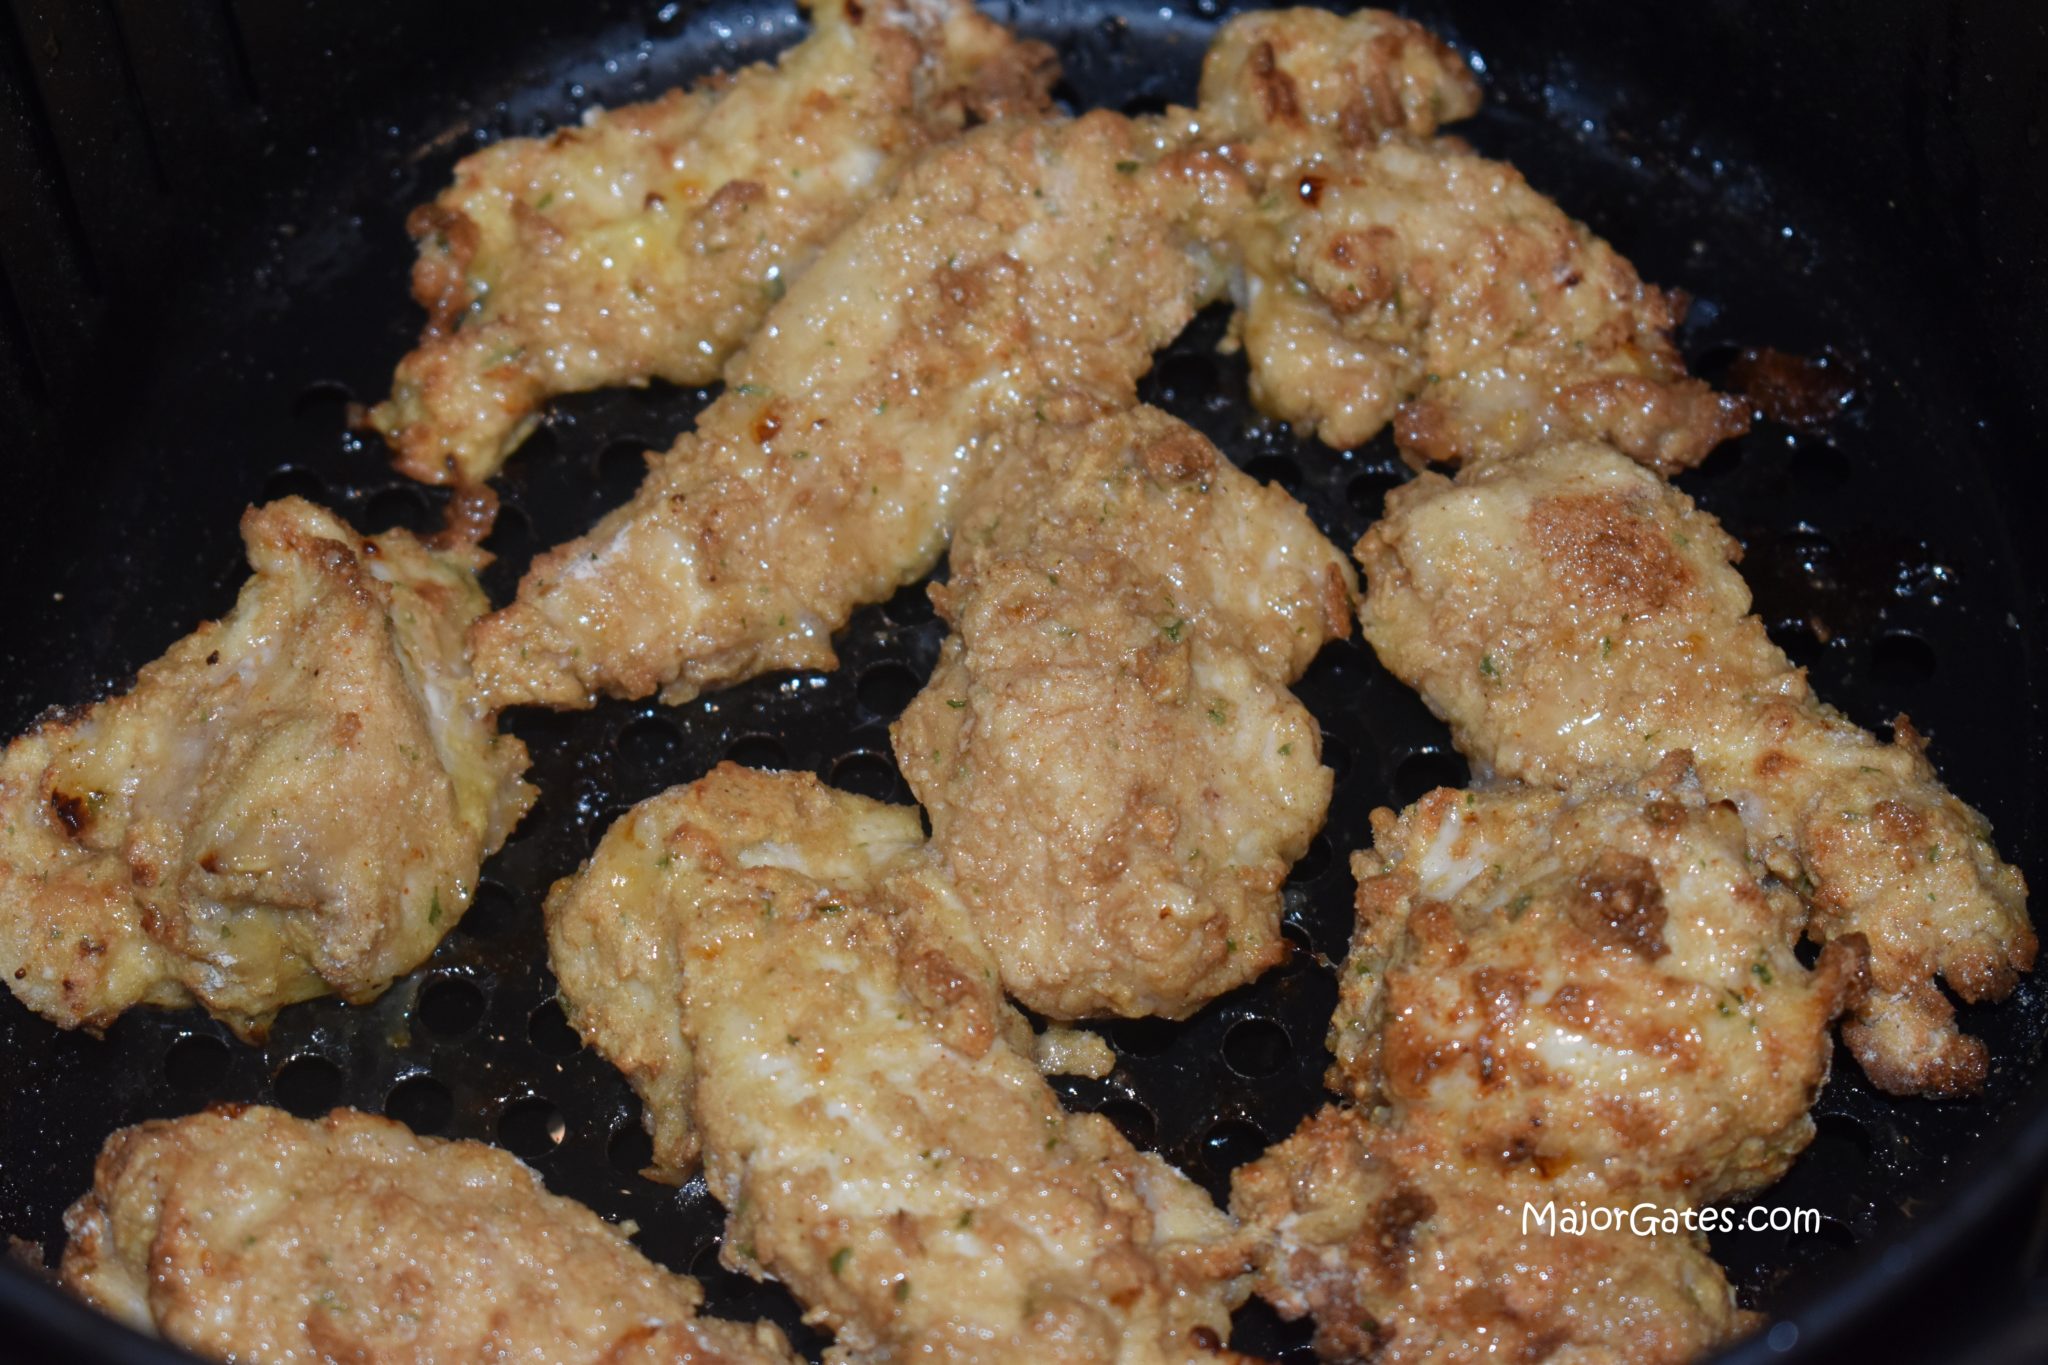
1298 936
196 1061
1902 659
887 688
1141 1037
491 913
1367 492
910 607
1138 106
1723 462
547 1028
1819 466
1183 380
1840 1143
421 1103
631 1150
651 745
1427 769
294 482
308 1085
404 506
758 751
1315 862
513 544
324 403
619 468
448 1006
531 1128
1276 469
869 774
1254 1048
1229 1144
1133 1120
1336 757
541 446
1809 552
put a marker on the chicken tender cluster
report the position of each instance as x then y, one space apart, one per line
781 975
293 801
1547 1002
1573 617
1116 775
245 1233
1401 278
930 297
648 242
1019 276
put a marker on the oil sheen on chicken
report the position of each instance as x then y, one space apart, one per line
1116 775
648 241
779 973
293 801
1549 1003
247 1234
1387 276
1573 617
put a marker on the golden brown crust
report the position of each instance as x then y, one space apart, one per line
1387 275
1574 617
293 800
247 1234
648 241
866 1113
1600 994
1400 1258
1019 276
1116 776
1281 75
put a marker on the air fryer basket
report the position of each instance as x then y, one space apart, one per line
204 265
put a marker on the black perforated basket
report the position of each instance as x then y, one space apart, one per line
202 264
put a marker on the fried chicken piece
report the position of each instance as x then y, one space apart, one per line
1116 775
1573 617
1410 280
836 1040
1402 1256
1298 82
293 800
1020 275
649 241
1602 992
247 1234
1549 1002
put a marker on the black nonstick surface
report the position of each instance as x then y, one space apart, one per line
191 307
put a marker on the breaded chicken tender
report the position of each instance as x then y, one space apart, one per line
649 241
1573 617
1549 1003
1408 280
247 1234
1116 776
294 800
1401 1257
1018 276
1602 992
1295 82
849 1067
